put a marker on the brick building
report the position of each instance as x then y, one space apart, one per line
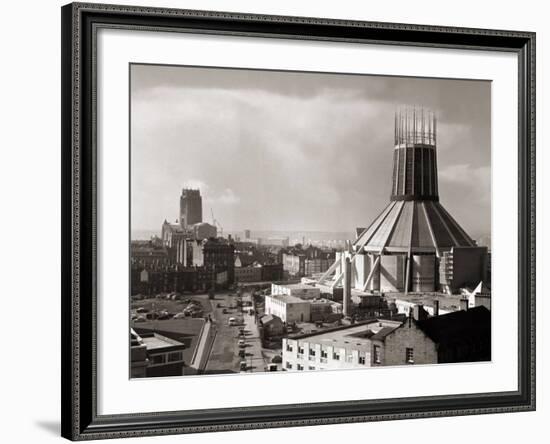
462 336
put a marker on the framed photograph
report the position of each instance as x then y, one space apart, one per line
278 221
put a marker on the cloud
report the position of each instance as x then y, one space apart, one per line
196 184
274 150
227 197
465 174
468 184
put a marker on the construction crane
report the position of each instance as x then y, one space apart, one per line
216 223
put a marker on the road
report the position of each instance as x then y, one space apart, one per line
224 356
255 359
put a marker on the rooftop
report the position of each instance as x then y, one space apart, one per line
448 302
287 298
358 335
185 331
420 226
154 341
458 326
323 301
299 286
267 318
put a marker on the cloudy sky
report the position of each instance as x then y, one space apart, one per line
296 151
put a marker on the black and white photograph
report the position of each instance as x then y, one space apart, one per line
274 221
294 221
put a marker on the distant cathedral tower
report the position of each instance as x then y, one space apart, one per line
190 207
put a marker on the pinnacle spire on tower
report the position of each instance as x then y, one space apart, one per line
415 155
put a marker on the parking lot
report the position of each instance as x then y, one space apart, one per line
235 348
161 308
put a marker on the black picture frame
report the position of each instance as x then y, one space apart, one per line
79 395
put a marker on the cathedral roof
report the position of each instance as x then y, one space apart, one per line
419 226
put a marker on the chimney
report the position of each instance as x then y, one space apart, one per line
464 304
419 313
347 287
436 307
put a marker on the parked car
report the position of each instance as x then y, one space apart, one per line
242 343
180 315
232 321
142 310
242 353
224 311
140 319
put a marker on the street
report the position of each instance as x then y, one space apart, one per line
224 355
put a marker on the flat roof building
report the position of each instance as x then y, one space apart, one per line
288 308
303 291
164 356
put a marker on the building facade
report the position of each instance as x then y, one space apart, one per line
203 230
272 272
288 308
462 267
215 255
369 344
147 253
151 281
248 274
307 261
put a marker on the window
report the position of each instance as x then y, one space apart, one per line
311 352
336 356
288 365
288 347
300 367
349 358
311 368
361 360
300 351
175 356
158 359
376 354
324 356
409 355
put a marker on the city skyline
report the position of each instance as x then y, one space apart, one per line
324 168
325 156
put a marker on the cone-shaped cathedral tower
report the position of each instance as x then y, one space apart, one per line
410 245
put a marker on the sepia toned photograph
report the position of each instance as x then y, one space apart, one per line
286 221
